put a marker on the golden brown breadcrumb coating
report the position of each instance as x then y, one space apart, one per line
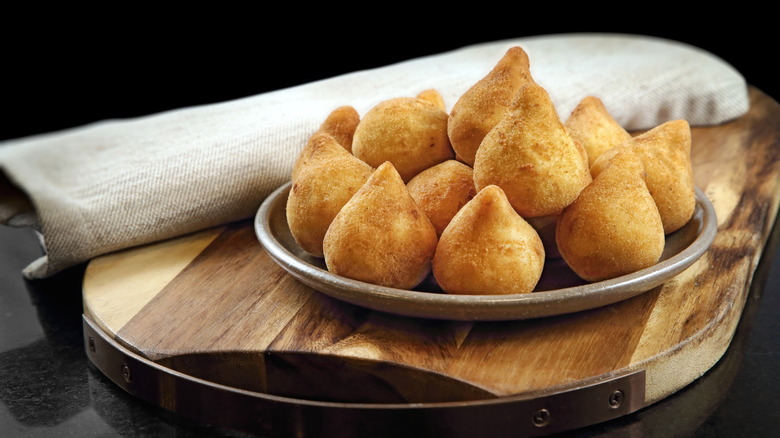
488 249
614 227
381 236
325 182
409 132
594 127
665 152
532 157
442 190
486 102
341 124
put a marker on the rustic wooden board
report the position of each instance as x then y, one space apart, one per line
215 306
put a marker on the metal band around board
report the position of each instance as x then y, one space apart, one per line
255 412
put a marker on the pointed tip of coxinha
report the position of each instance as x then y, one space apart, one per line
532 98
678 131
515 57
385 188
675 132
387 175
433 97
393 190
491 199
625 165
591 124
625 171
323 141
485 103
341 124
319 145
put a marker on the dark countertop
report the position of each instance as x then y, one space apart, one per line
49 388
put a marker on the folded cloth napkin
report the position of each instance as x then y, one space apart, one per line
116 184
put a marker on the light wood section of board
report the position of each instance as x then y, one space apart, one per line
143 271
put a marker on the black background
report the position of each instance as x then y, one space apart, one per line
82 68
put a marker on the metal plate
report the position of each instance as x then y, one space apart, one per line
559 290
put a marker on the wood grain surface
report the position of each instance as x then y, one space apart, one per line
214 305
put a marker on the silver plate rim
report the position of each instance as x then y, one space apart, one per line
433 305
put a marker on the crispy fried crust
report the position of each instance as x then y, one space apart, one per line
614 227
433 96
483 105
488 249
381 236
408 132
327 180
665 152
341 124
532 157
594 127
442 190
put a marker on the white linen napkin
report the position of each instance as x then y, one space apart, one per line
116 184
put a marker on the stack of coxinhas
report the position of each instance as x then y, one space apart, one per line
482 196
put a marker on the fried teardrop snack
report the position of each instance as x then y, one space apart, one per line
329 178
594 127
666 153
531 156
340 124
483 105
381 235
488 249
614 227
409 132
433 96
442 190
